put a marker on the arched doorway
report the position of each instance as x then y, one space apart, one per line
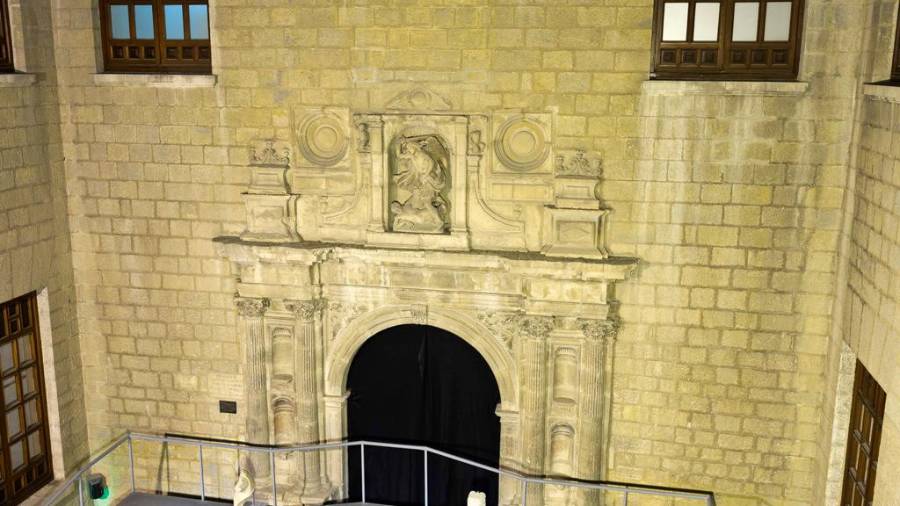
422 385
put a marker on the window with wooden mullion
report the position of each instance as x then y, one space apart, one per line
727 39
25 465
155 36
863 439
6 49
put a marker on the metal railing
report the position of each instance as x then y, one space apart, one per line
128 439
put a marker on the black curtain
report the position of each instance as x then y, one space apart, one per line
421 385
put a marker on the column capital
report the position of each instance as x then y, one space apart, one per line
250 307
535 327
600 330
305 310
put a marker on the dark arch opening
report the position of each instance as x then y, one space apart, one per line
422 385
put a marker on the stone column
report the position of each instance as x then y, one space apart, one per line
594 402
535 331
252 331
307 332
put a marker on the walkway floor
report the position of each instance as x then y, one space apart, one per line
164 500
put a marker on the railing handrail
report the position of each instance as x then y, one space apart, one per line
130 437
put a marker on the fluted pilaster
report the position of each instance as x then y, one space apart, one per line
251 312
307 314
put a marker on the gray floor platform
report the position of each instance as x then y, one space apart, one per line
164 500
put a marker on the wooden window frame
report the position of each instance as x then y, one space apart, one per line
18 318
159 55
895 65
861 462
7 63
702 68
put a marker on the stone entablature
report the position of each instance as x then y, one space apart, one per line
546 328
419 174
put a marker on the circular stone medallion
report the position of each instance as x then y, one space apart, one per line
521 144
322 140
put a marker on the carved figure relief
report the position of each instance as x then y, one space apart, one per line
364 138
420 183
476 144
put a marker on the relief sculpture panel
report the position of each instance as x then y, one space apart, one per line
420 184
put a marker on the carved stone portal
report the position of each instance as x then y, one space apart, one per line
473 222
420 183
306 309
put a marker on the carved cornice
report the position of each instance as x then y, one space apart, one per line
600 330
535 327
251 307
305 310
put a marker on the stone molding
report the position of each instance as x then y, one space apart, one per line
156 80
733 88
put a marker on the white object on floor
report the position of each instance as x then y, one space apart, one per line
476 499
243 489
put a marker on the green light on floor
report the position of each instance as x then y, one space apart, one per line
104 499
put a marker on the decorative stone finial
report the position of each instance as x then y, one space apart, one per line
579 165
268 156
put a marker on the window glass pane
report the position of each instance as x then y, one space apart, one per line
120 23
143 22
778 21
27 381
17 455
706 22
34 444
675 17
198 15
31 414
10 394
174 22
25 352
13 424
6 357
746 21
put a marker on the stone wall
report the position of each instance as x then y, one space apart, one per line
34 235
870 324
731 196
